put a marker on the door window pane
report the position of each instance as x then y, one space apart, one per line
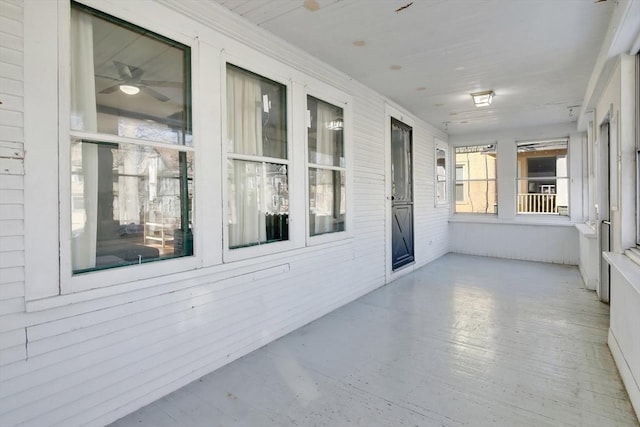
130 204
326 201
401 163
258 203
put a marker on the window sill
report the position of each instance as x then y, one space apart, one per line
633 254
519 220
627 267
586 230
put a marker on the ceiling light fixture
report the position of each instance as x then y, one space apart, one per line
129 89
483 99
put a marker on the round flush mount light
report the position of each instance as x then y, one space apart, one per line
130 90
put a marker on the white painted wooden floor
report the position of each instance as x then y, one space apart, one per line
465 341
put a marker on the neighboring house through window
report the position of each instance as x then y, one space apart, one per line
543 182
476 185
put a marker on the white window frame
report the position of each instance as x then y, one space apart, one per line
279 73
637 102
49 239
441 145
337 98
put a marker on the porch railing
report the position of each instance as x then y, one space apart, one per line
537 203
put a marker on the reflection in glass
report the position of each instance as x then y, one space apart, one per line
325 133
326 201
256 115
127 81
441 175
258 210
401 186
130 204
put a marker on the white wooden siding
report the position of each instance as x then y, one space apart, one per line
12 341
92 361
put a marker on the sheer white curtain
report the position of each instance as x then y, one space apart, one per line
84 117
244 126
329 180
325 148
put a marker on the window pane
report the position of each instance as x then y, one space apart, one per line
258 203
256 115
326 201
542 184
543 196
476 185
130 204
127 81
479 161
325 133
441 175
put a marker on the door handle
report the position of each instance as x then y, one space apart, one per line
607 222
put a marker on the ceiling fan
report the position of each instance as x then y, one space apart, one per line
130 82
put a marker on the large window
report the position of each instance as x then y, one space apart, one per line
543 183
130 154
476 186
326 160
257 165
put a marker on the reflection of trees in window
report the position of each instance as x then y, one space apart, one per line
257 181
130 128
326 173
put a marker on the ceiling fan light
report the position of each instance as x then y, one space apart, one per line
129 89
483 99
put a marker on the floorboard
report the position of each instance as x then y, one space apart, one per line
464 341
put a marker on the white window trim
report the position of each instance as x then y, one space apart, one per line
441 145
279 73
335 97
47 112
463 182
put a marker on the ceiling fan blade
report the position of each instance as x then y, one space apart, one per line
157 95
128 73
123 71
110 89
107 77
162 83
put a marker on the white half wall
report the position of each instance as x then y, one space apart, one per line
532 242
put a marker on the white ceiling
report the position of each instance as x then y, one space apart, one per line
537 55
